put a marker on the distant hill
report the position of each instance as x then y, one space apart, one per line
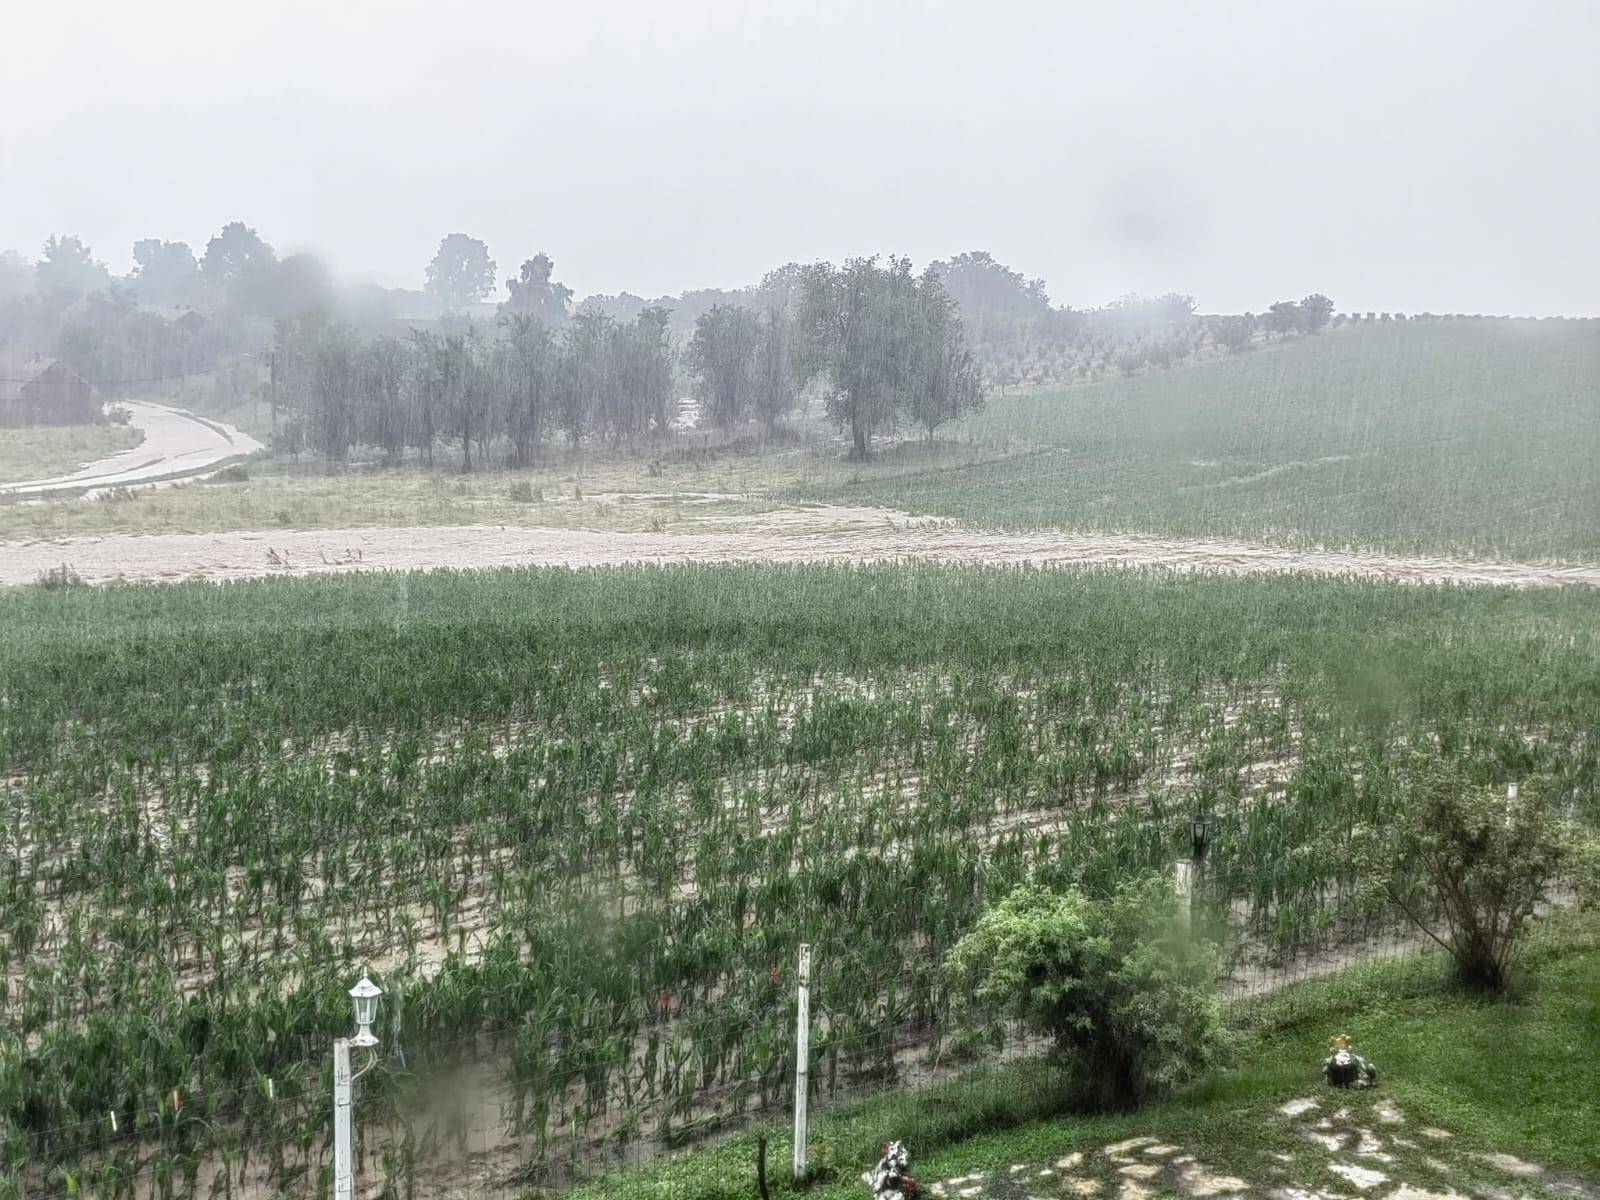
1470 437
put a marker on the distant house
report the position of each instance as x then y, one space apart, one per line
44 391
185 319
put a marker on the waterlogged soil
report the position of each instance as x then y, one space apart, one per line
805 535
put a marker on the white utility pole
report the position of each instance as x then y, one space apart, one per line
802 1062
343 1094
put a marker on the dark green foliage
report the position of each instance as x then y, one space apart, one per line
1469 864
1115 981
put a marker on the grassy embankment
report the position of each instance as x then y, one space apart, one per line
43 451
1517 1078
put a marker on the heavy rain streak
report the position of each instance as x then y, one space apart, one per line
735 600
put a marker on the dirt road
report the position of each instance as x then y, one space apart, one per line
810 535
175 443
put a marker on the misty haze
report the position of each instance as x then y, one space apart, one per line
892 600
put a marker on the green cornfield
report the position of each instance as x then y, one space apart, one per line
577 824
1468 438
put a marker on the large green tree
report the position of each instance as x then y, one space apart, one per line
535 294
461 272
67 269
947 383
530 365
855 330
774 380
887 343
1315 312
232 252
722 357
165 273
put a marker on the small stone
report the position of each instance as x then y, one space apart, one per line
1198 1180
1362 1177
1160 1151
1141 1170
1388 1113
1331 1142
1370 1147
1083 1187
1512 1165
975 1190
1297 1108
1437 1135
1407 1192
1117 1149
1046 1173
1017 1167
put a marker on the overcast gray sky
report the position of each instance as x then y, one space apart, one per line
1406 155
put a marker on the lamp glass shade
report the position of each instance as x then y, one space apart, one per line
365 996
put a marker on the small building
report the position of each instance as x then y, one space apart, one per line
44 391
186 320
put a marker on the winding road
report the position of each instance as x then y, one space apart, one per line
175 443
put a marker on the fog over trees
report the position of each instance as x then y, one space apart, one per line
504 369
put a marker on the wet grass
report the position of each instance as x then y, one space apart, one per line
43 451
1462 438
1517 1078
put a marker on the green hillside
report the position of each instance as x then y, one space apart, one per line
1478 438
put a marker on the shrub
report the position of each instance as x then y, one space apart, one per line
1126 996
60 577
1468 865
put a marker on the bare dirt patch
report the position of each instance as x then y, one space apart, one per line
806 535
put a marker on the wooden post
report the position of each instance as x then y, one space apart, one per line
802 1062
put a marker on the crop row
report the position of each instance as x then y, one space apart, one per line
578 824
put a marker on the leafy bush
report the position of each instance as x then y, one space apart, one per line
1126 996
1468 865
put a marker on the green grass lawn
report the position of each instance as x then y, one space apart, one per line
1474 438
1519 1078
45 450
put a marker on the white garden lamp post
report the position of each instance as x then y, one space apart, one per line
365 997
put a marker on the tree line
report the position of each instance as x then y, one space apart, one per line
523 385
884 345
